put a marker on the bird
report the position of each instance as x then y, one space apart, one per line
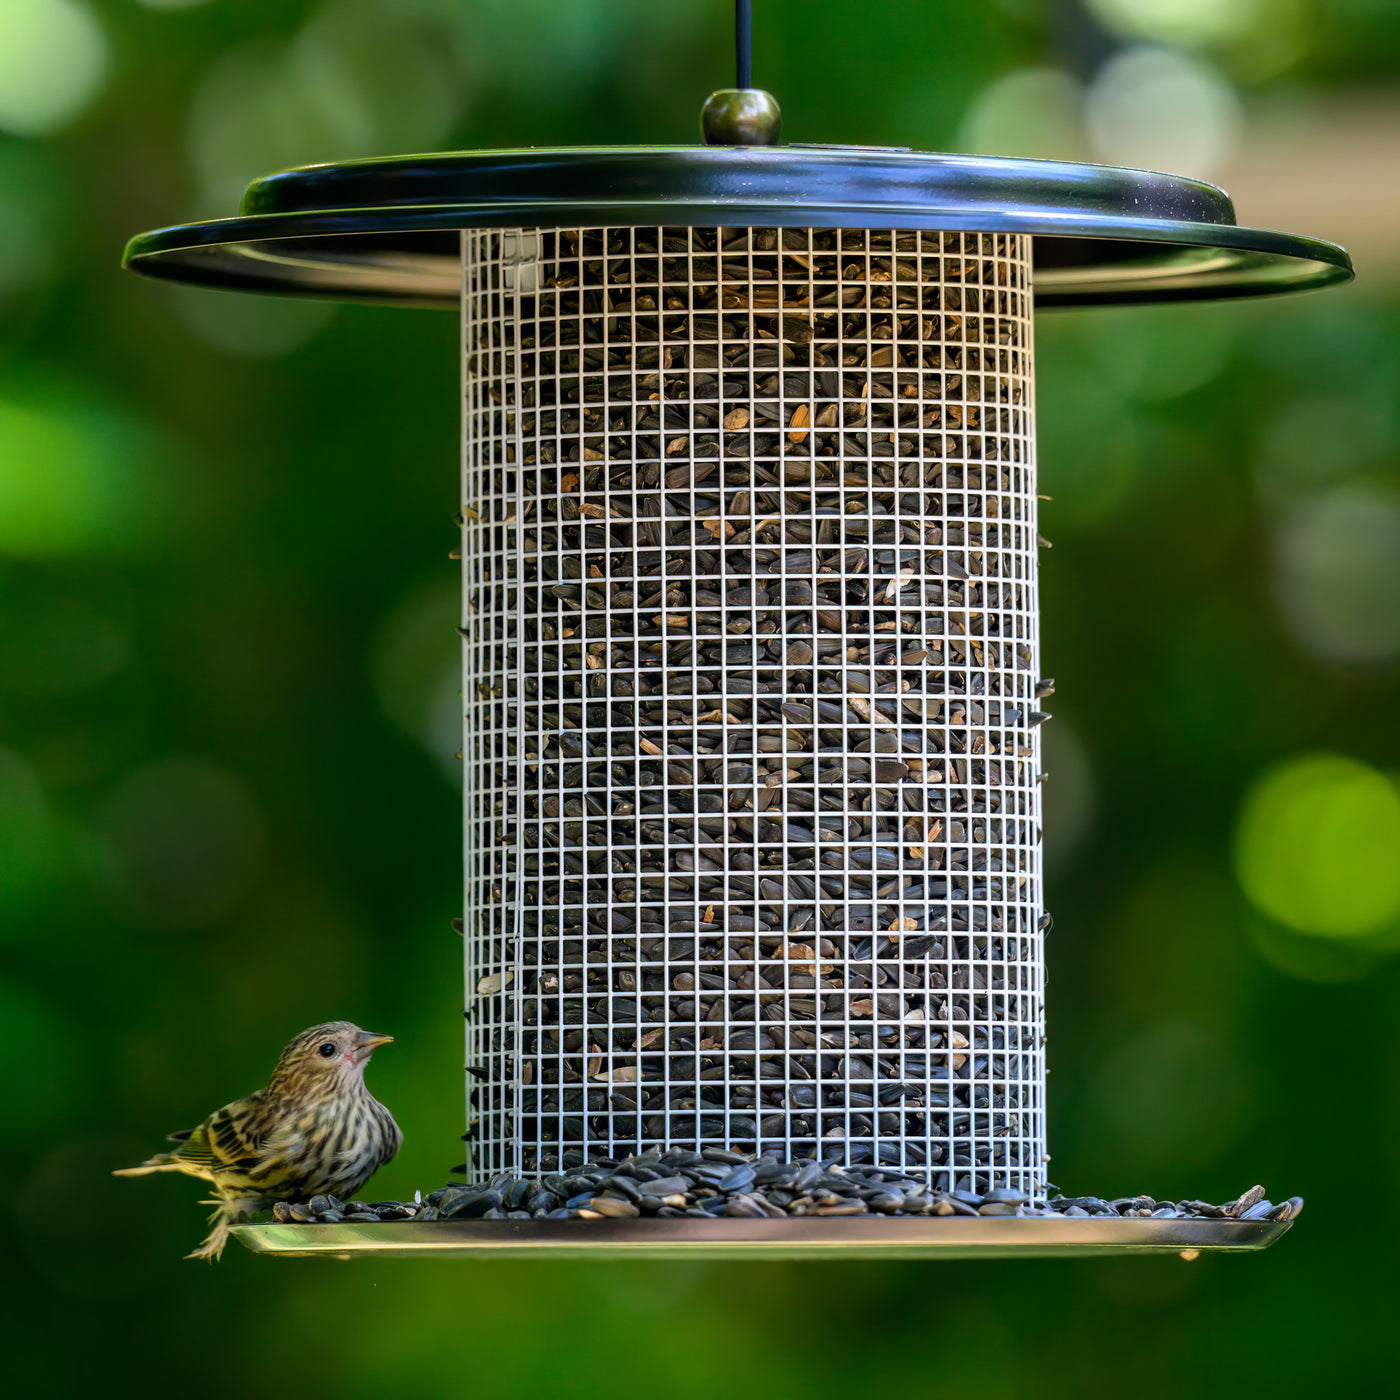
314 1130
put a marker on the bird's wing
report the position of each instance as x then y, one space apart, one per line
227 1140
182 1135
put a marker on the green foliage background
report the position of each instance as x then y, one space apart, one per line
228 807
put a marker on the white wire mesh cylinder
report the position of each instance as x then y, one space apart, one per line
750 621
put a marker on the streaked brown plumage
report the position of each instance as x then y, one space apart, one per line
314 1130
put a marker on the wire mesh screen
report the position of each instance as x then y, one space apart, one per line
752 804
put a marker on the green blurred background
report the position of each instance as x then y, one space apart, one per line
228 802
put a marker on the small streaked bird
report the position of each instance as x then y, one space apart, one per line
315 1130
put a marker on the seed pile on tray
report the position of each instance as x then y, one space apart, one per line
752 754
715 1183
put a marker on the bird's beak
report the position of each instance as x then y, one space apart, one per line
366 1043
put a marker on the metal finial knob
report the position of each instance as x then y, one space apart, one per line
741 117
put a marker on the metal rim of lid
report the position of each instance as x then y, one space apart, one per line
384 230
948 1237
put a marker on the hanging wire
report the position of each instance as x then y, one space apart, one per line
743 42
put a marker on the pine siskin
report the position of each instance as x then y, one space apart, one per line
314 1130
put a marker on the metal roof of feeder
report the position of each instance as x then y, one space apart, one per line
386 230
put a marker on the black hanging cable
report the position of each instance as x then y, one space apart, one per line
742 115
743 42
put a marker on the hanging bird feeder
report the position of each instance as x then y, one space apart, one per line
752 666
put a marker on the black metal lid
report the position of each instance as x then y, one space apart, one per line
386 230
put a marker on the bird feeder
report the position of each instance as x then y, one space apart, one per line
751 646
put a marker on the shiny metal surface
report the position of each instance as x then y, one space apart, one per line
741 117
387 230
942 1237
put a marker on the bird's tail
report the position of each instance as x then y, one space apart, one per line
161 1162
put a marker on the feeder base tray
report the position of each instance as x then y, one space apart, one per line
941 1237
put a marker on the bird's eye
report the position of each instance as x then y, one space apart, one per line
328 1049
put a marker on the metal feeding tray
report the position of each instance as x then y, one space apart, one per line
949 1237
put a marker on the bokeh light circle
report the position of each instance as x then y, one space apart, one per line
1031 112
1337 573
1180 21
53 58
1161 109
1317 846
